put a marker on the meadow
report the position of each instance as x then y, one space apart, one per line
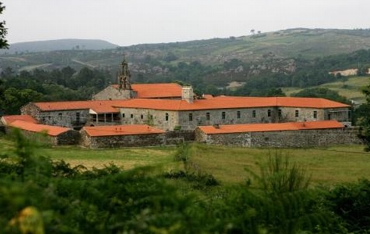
350 88
328 166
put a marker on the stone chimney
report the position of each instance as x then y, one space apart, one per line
187 94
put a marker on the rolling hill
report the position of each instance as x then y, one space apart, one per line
62 44
224 59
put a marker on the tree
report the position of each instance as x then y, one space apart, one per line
3 30
322 93
364 121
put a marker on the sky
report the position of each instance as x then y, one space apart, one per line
132 22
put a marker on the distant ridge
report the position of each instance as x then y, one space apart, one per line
61 44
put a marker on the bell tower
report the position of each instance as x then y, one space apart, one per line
124 77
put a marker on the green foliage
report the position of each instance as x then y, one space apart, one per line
56 85
3 30
110 200
287 205
322 93
279 176
192 172
364 120
351 202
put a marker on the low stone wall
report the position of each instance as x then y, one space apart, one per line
181 136
122 141
294 139
71 137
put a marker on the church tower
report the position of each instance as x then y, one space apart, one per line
124 77
124 89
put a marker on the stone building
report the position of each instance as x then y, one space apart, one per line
125 90
293 134
151 91
51 134
121 136
188 114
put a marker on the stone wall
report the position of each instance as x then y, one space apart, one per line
71 137
302 138
30 109
165 120
122 141
289 114
180 136
232 139
63 118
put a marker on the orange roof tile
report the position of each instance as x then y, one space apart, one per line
222 102
120 130
270 127
230 103
8 119
161 90
32 127
99 106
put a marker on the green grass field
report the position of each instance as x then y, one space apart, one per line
326 165
350 88
227 164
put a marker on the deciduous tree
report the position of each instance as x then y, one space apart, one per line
3 30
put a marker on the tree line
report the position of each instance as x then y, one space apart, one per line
63 84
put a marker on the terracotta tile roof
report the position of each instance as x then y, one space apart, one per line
222 102
120 130
230 103
8 119
32 127
269 127
99 106
164 90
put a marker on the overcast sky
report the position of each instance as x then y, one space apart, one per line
130 22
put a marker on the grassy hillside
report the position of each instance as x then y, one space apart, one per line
307 43
350 88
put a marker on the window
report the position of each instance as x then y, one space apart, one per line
132 116
238 114
254 113
223 115
142 116
208 116
60 115
123 115
315 114
166 117
268 113
280 113
296 113
78 116
190 116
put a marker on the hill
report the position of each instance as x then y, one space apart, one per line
54 45
210 65
350 88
